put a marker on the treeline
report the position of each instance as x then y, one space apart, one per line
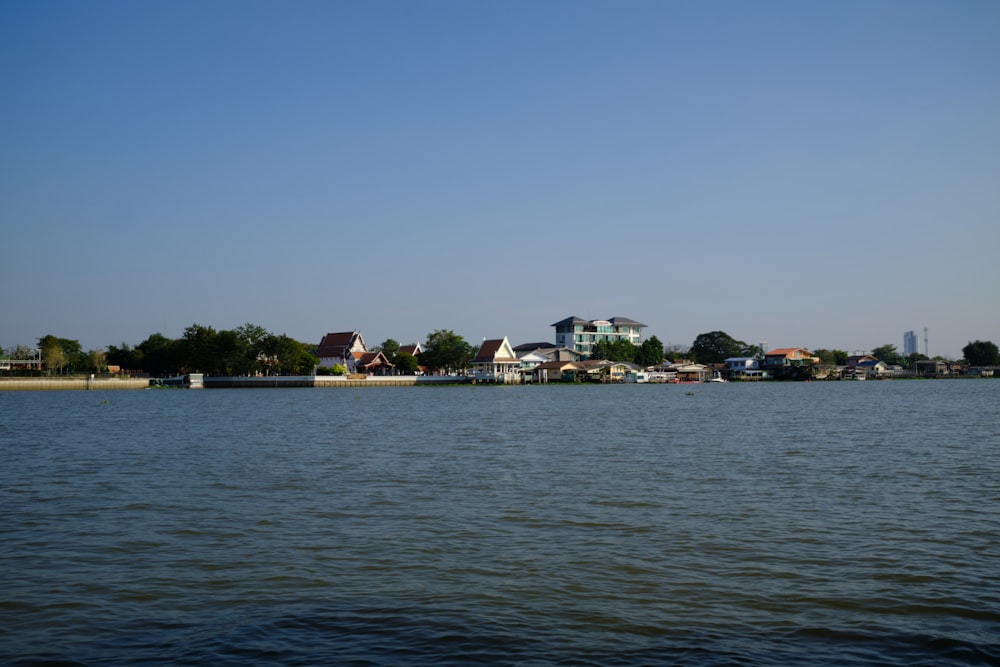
246 350
649 353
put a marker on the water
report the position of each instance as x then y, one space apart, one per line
764 524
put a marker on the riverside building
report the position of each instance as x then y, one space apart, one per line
580 335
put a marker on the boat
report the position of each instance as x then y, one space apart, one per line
717 377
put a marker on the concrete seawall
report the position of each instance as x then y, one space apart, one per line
58 384
331 381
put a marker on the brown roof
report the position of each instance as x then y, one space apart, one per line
367 359
336 345
488 352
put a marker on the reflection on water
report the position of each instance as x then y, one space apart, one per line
846 524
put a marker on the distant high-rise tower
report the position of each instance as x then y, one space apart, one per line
909 343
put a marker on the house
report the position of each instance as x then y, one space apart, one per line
344 348
691 372
496 362
580 335
932 367
602 370
373 363
555 371
856 360
873 369
789 356
532 354
743 368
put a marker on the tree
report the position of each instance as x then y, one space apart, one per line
888 354
62 354
289 356
614 350
650 353
158 355
982 353
446 351
98 360
389 348
831 357
406 363
717 346
199 349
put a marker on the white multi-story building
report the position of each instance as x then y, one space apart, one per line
580 335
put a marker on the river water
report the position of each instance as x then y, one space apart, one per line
754 524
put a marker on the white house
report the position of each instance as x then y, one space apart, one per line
496 362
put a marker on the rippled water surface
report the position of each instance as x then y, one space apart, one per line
765 524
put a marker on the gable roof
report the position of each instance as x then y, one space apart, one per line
373 359
496 350
338 345
414 349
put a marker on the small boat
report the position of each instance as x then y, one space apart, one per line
717 377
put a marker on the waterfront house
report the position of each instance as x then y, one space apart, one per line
856 360
789 356
496 362
554 371
932 367
344 348
580 335
873 369
740 368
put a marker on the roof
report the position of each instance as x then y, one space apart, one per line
373 359
784 351
414 349
624 321
528 347
336 345
490 348
615 321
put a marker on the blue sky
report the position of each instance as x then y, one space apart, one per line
801 173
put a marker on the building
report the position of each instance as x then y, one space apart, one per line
580 335
909 343
496 362
342 348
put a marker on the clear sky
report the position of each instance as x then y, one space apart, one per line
818 174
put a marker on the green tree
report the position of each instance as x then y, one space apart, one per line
650 353
888 354
717 346
199 349
831 357
289 356
406 363
446 351
158 355
62 354
981 353
614 350
389 348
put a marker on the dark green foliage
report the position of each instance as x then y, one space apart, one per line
982 353
717 346
446 351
